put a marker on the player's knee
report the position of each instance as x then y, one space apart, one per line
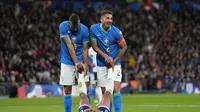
83 95
68 89
107 93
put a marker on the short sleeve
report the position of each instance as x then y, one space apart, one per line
85 37
92 36
63 30
119 35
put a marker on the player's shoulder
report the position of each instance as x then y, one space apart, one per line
63 24
83 26
95 26
114 28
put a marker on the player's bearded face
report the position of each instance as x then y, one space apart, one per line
107 20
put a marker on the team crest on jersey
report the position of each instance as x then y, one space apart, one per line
106 41
73 38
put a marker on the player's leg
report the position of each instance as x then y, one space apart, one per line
67 79
68 98
104 107
117 99
84 102
93 87
101 81
87 82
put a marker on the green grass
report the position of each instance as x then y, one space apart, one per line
131 103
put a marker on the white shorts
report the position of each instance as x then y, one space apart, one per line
89 77
102 75
67 74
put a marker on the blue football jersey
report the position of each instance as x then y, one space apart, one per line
107 41
78 38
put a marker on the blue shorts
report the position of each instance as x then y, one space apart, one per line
103 108
82 108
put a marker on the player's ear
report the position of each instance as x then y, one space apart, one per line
101 19
70 23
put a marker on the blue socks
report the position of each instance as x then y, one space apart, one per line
93 91
68 103
88 96
111 105
117 102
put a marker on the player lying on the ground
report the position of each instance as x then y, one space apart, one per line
84 103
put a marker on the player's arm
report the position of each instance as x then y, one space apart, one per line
92 65
71 49
85 56
85 40
97 49
72 53
122 48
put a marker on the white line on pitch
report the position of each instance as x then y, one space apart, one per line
158 105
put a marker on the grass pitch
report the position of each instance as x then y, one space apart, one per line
131 103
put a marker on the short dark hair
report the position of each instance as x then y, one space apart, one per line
74 18
106 12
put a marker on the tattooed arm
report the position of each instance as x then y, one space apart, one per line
122 48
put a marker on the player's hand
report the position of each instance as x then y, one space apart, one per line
79 67
109 59
86 68
92 65
110 65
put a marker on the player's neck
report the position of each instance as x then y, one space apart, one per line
105 28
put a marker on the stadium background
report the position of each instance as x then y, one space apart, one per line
163 39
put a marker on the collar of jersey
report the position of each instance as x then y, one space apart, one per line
70 28
105 30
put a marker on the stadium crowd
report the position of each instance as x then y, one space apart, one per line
161 44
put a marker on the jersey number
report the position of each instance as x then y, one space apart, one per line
118 73
74 46
108 49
